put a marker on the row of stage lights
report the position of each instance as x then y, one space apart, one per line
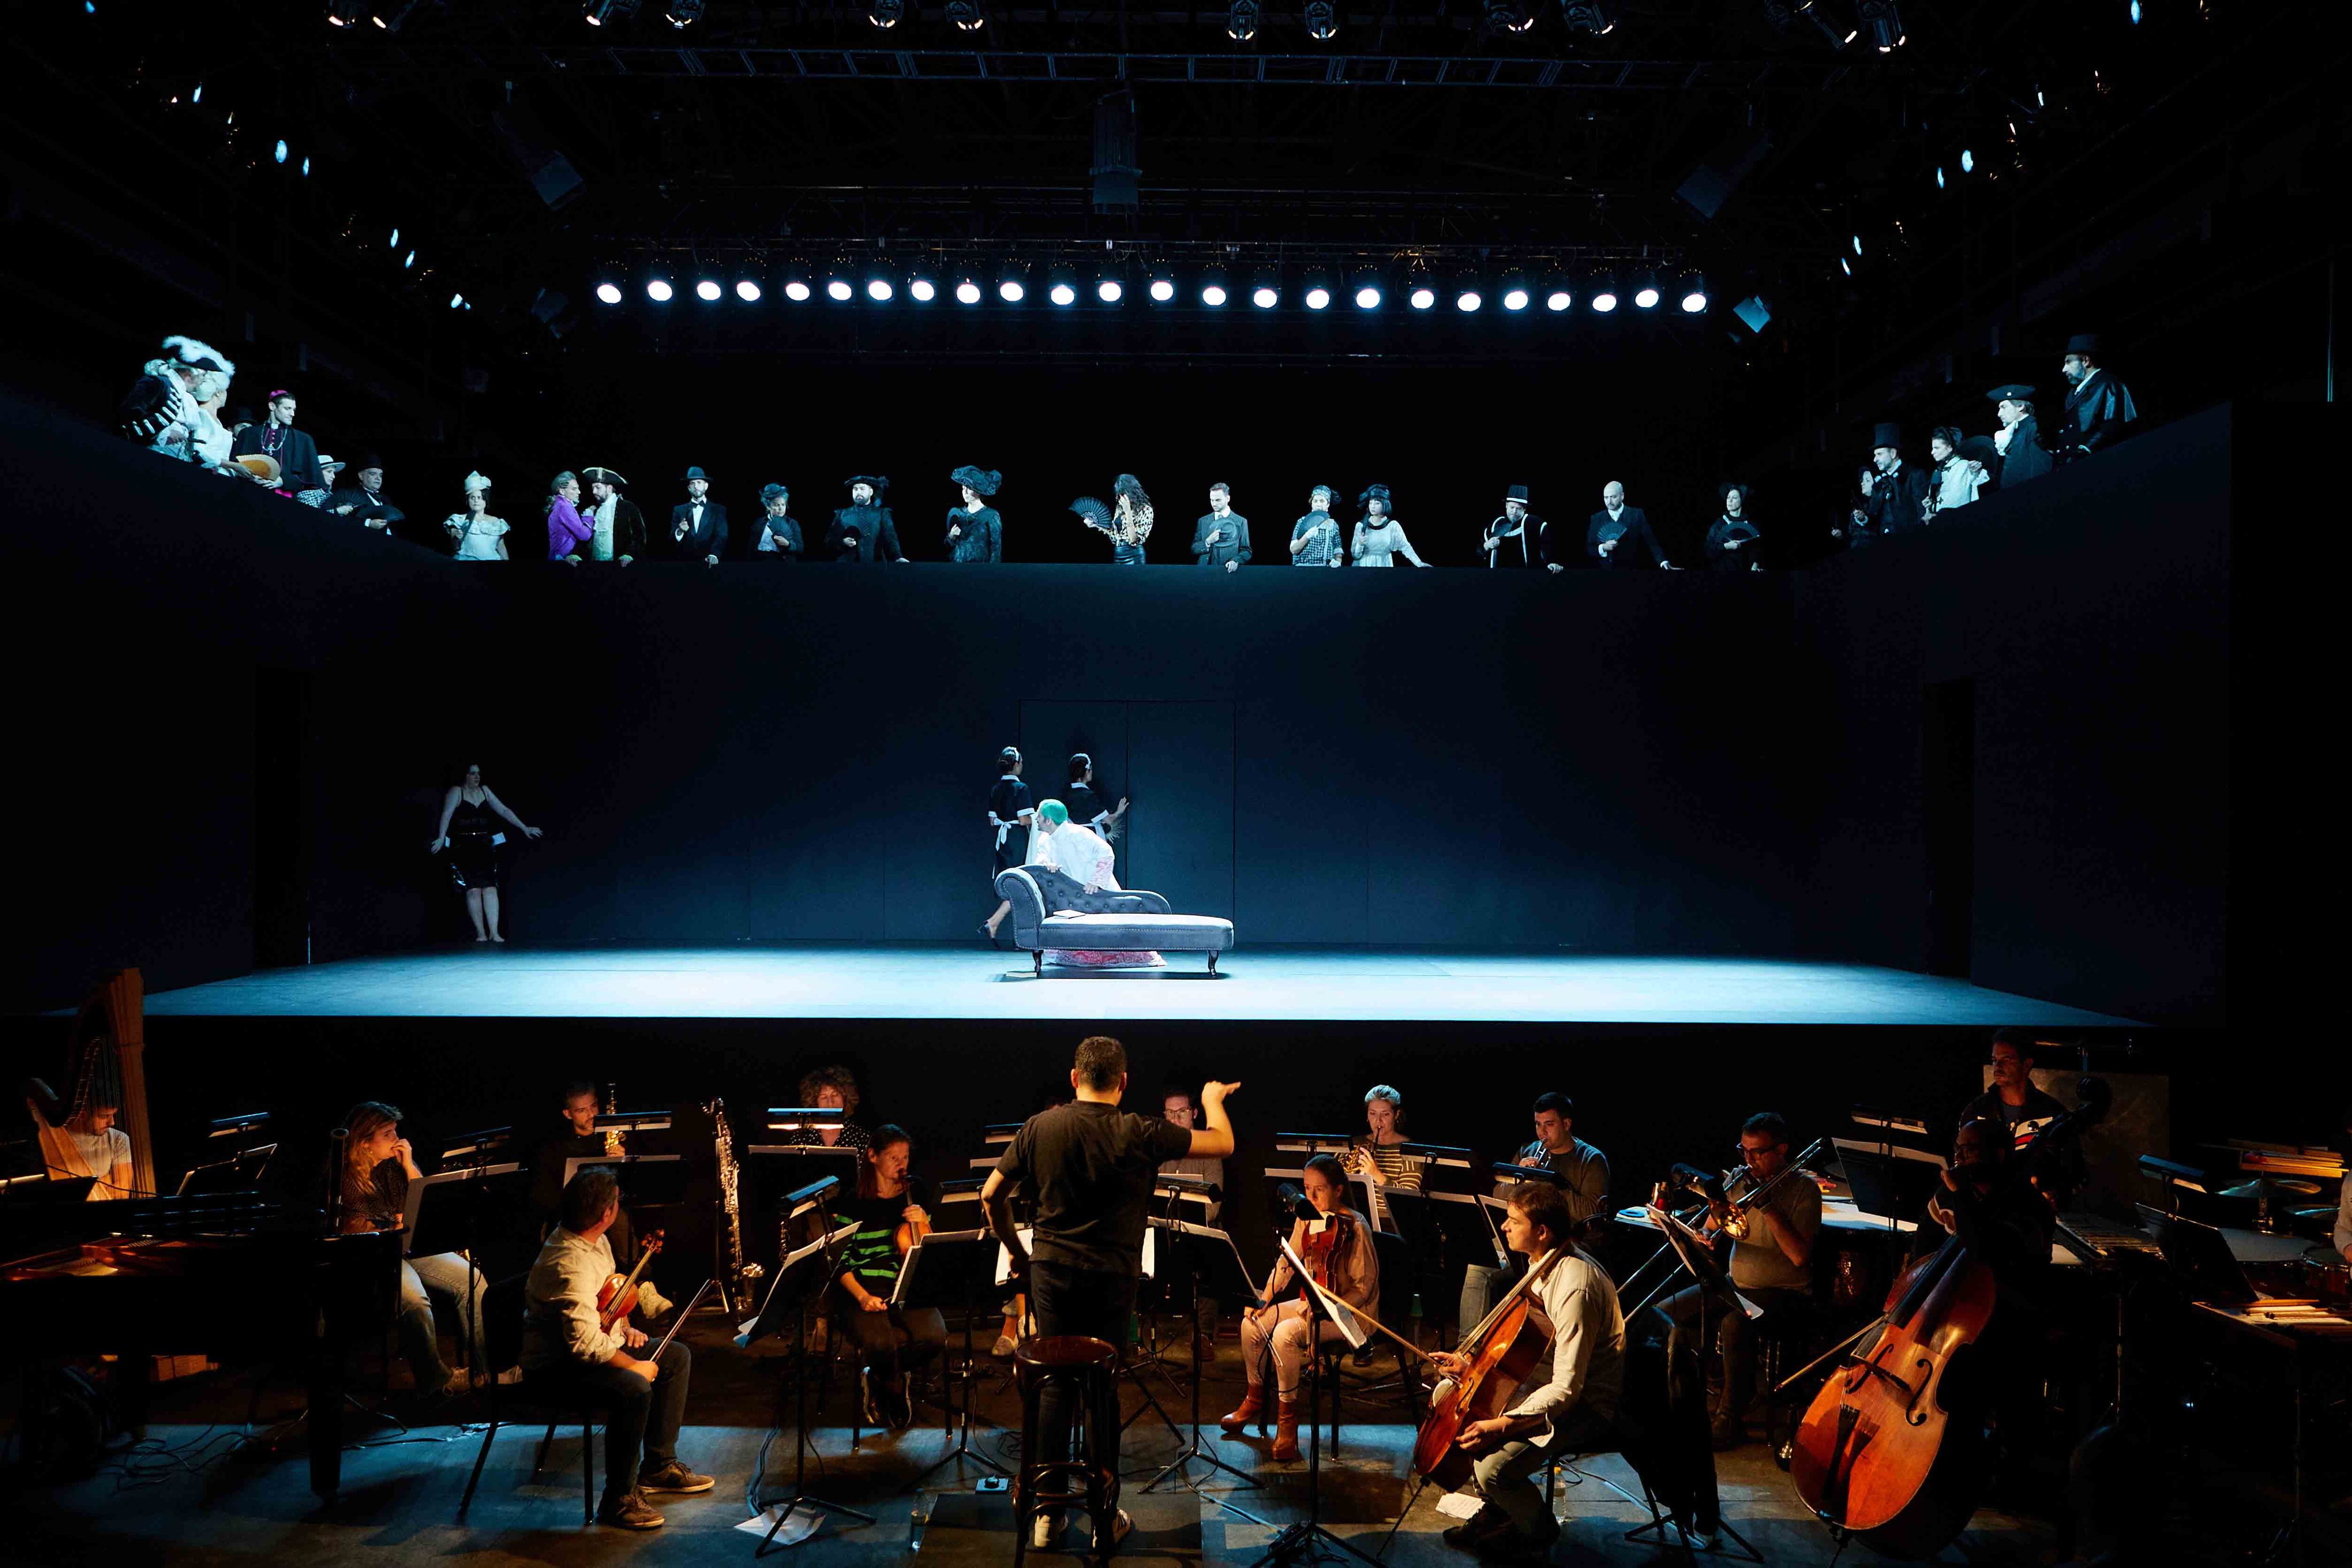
1367 288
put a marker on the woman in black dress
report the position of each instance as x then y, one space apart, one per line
1009 815
469 832
1732 538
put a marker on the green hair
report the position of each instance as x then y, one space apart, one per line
1054 810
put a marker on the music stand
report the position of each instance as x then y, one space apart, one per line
802 1279
1211 1257
2198 1257
1887 1179
950 1266
240 1172
1307 1541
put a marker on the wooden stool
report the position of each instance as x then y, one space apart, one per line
1087 1368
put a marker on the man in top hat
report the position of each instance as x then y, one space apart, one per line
2017 445
1508 541
779 534
617 528
1617 526
1220 538
2099 408
1894 493
362 500
698 525
297 454
863 531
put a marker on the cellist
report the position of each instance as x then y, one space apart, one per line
1574 1412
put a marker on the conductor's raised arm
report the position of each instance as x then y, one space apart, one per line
1215 1141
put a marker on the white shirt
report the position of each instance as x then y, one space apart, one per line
560 1321
1588 1344
601 545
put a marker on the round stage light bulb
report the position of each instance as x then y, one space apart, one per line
924 289
1162 290
1367 297
797 291
878 290
747 290
1646 297
1422 298
1062 294
706 289
609 293
838 288
1968 162
967 292
1317 297
1515 300
658 290
1108 290
1604 302
1212 294
1558 300
281 152
1264 298
1694 303
1468 300
1011 291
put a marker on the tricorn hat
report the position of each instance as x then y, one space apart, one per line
2084 343
1371 493
879 481
1516 493
2015 392
603 475
983 481
1886 434
697 474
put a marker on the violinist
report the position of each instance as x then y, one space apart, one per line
1574 1411
567 1348
1340 1253
890 1216
1771 1261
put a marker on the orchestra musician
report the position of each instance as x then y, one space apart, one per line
1089 1167
890 1341
1339 1254
828 1089
1379 1151
580 1139
89 1143
1178 1108
2022 1108
377 1166
567 1348
1574 1411
1557 1149
1771 1262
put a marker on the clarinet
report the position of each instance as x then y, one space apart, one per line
738 1275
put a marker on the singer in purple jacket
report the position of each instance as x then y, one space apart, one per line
567 531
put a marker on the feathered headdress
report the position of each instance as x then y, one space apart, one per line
197 355
983 481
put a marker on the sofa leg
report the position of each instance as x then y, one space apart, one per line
1213 964
1037 964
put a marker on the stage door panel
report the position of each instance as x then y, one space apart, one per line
1181 840
1051 731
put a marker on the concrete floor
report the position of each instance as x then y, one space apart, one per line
819 981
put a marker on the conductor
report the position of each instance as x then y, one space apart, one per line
1091 1167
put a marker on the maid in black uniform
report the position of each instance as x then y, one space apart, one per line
470 832
1008 814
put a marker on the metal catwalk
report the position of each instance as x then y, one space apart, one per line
1338 985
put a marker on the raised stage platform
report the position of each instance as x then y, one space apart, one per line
1302 985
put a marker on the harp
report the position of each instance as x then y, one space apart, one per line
105 1066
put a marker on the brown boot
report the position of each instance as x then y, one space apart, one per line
1286 1431
1252 1406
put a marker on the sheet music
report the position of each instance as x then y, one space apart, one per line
1687 1242
441 1178
907 1267
1352 1328
821 1244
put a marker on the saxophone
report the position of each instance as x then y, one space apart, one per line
737 1276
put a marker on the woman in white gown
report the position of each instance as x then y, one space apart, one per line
1080 854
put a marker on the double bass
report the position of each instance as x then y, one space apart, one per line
1508 1344
1879 1454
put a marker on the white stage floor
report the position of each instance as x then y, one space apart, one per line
825 980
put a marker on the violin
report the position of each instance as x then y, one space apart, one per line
617 1297
1506 1346
1878 1455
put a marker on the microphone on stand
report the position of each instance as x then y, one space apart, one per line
1288 1196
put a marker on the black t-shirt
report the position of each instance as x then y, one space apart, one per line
1091 1167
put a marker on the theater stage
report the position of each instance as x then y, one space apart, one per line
1301 985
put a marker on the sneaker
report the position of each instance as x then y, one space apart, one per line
897 1409
1488 1521
672 1475
631 1513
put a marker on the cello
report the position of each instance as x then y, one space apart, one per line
1879 1454
1508 1344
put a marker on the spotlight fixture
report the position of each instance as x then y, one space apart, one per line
1603 293
1466 295
1694 293
836 287
796 282
306 165
967 291
1558 295
281 152
1646 291
601 12
708 290
1817 13
1846 265
608 292
1266 293
747 288
1013 283
1061 285
885 14
1241 20
1509 16
1321 18
967 16
1939 176
1109 288
1515 290
456 301
879 289
1213 289
683 12
921 286
394 243
1594 16
1318 291
1367 292
1162 288
1968 162
1884 24
658 287
1857 245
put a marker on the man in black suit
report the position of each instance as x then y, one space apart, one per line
1894 494
297 454
2099 407
698 526
2018 446
1616 526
